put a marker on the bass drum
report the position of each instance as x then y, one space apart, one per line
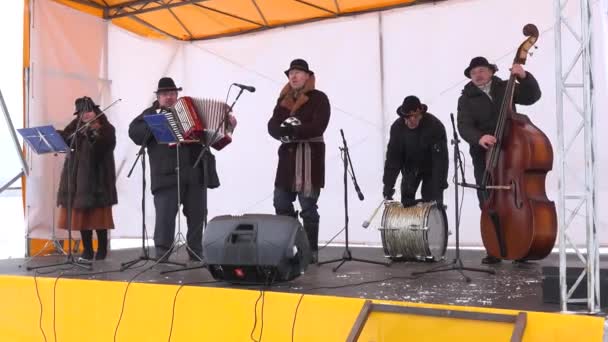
416 233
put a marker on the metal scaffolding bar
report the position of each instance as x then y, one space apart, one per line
89 3
202 7
133 8
582 197
320 8
10 182
11 129
154 28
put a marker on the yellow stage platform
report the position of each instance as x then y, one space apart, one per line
89 310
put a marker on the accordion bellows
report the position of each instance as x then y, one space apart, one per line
196 119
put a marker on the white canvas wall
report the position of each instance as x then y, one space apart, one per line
11 68
135 73
425 51
67 61
11 85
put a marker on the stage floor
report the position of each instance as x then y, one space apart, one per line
514 286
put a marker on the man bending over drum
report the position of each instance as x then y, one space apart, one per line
418 148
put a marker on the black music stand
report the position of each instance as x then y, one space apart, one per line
202 158
347 255
145 254
161 129
45 139
456 264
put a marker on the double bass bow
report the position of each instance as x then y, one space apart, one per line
518 221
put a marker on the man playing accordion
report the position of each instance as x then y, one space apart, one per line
299 120
163 174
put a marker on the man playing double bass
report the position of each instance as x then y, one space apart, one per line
479 108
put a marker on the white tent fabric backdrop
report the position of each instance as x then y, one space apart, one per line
424 51
63 67
10 85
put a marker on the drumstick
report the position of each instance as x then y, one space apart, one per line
366 223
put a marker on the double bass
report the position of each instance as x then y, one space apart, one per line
518 221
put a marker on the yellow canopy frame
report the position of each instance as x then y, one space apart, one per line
206 19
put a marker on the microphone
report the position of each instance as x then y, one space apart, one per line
367 222
245 87
359 193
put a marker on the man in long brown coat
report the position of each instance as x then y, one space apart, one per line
299 121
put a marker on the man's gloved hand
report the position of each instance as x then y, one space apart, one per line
388 193
286 131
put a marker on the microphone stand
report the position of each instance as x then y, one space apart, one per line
202 159
145 256
456 264
347 255
70 260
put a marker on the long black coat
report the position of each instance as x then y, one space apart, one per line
163 158
314 115
422 151
478 114
93 181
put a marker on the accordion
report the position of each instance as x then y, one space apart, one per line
201 120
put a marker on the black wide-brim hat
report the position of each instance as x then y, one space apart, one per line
411 103
85 104
477 62
298 64
167 84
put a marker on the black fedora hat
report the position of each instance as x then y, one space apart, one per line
85 104
167 84
298 64
477 62
410 103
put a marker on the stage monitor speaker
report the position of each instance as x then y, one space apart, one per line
551 285
255 248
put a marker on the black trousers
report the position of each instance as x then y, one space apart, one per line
479 167
194 204
429 191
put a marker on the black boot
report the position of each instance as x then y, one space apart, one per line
312 232
102 244
490 260
87 244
